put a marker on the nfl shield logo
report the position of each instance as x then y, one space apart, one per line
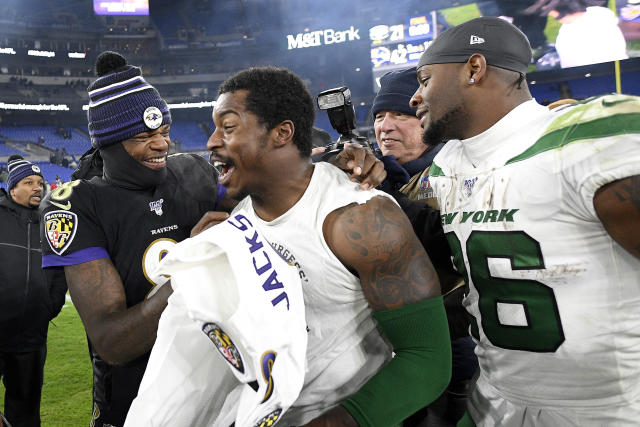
424 183
61 228
468 186
156 206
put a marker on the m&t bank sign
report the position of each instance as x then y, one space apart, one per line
322 37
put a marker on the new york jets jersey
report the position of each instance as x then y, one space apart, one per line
554 299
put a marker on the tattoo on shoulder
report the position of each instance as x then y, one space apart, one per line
394 268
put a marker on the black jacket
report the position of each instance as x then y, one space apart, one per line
29 296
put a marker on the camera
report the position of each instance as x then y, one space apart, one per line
342 115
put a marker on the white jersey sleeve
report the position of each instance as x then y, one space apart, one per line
232 341
599 151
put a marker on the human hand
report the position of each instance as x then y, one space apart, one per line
317 150
208 220
362 164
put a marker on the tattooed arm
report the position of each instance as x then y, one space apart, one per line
618 207
376 241
119 334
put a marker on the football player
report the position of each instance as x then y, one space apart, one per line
542 213
356 253
110 232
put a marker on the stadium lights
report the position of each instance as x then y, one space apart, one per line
79 55
34 107
193 104
203 104
47 53
7 50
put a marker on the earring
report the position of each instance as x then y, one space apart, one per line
472 80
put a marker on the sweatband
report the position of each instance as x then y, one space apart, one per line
419 372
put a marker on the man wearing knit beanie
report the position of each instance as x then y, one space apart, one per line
407 161
399 136
30 297
109 232
23 194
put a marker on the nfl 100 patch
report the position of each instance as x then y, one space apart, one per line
60 229
225 345
156 206
468 186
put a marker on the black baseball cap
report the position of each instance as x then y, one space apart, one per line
502 44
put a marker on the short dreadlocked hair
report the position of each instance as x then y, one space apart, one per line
277 94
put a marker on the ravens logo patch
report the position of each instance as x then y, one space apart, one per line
225 346
152 117
61 228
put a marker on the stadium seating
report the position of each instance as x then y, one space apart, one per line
8 151
189 134
168 23
50 171
77 144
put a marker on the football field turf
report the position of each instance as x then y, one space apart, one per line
66 393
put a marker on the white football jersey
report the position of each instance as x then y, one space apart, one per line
232 342
345 348
555 300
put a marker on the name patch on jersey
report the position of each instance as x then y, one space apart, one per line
61 228
156 206
269 419
225 346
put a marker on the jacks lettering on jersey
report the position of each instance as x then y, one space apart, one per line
261 262
493 215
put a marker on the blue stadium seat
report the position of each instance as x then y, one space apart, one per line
77 144
49 172
189 134
7 151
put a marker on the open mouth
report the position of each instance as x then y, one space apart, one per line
225 170
156 162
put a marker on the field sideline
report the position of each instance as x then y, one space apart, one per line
66 393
